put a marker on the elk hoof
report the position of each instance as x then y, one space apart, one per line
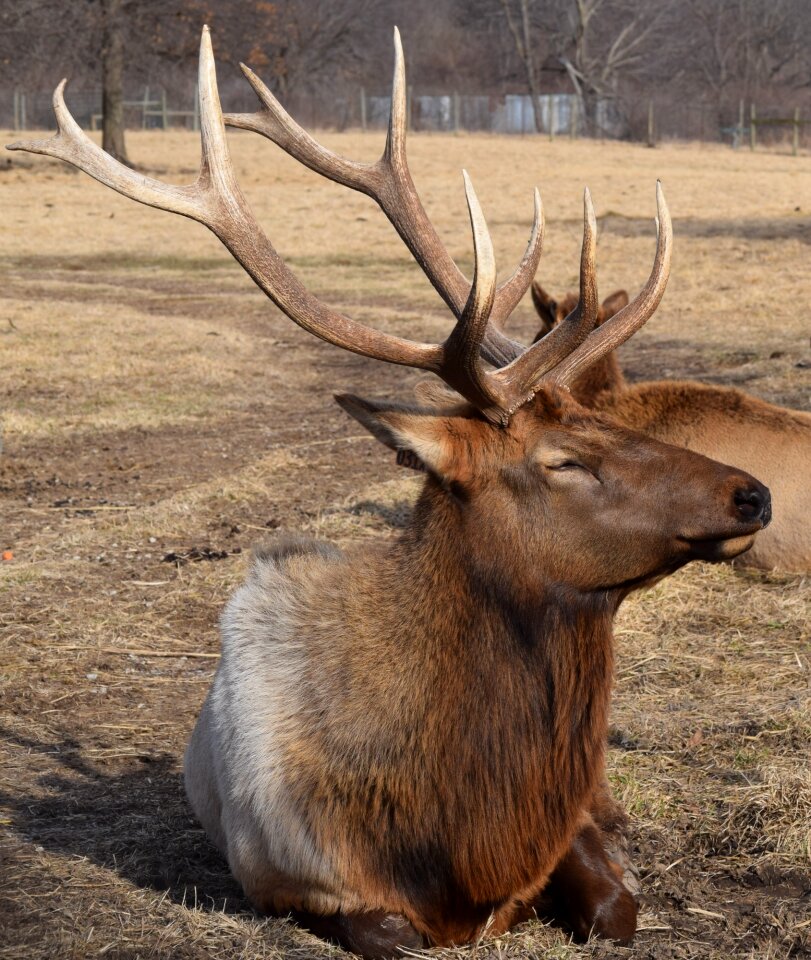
615 919
616 849
373 935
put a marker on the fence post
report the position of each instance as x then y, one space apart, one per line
23 118
164 113
752 126
16 109
144 108
456 112
573 118
363 109
795 144
651 128
738 138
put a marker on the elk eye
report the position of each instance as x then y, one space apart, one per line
567 465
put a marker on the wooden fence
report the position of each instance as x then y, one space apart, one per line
795 122
648 121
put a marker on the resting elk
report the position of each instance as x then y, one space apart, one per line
403 744
772 442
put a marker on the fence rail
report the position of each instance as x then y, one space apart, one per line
646 120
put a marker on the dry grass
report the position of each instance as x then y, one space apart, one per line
154 402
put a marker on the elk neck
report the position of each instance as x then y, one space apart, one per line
484 592
514 696
483 617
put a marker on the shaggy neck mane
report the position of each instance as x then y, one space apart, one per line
512 728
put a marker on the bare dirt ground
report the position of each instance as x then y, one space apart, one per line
160 416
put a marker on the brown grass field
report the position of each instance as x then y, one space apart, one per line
155 405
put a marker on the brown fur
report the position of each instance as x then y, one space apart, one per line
407 740
773 443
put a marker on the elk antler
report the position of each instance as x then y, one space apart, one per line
388 182
216 201
627 321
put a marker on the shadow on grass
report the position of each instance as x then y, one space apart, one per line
137 823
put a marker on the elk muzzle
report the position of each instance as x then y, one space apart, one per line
749 509
754 502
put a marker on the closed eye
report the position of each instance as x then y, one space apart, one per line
573 468
568 465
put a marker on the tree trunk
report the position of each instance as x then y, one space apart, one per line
532 77
112 81
523 47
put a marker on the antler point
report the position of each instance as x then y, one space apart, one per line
205 43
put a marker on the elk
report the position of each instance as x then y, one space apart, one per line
403 743
723 423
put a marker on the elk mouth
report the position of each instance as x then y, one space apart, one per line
717 550
722 546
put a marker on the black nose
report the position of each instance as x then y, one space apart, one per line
753 502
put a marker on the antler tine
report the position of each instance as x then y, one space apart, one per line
395 150
216 170
627 321
216 201
388 182
72 145
523 374
512 290
199 201
462 366
277 125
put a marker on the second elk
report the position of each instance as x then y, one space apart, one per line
403 744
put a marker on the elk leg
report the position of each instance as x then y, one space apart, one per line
586 892
612 821
373 935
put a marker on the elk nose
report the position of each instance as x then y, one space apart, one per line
753 502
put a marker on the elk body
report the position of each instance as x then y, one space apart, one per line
771 442
403 743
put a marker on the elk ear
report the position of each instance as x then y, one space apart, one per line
419 432
613 304
546 308
438 396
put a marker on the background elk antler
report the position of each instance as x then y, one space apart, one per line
216 200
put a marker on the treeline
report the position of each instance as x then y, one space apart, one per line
621 52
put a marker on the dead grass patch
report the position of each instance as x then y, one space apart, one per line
153 402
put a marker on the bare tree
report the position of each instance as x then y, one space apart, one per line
602 42
743 45
610 53
112 79
294 44
517 18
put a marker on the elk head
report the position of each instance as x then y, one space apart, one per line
520 464
606 374
551 312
